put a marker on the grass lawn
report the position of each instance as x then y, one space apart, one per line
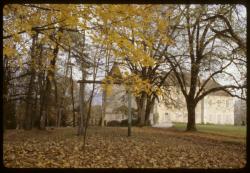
226 130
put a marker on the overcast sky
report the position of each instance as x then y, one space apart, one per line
77 73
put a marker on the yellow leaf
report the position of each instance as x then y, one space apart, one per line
9 51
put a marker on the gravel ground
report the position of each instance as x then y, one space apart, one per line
109 147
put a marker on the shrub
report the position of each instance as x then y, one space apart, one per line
124 122
113 123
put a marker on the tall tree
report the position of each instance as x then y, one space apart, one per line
207 57
138 47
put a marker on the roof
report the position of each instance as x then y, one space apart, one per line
172 80
115 71
213 84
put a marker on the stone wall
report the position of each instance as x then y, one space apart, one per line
218 109
212 109
116 99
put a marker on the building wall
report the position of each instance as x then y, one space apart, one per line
219 109
117 98
212 109
176 114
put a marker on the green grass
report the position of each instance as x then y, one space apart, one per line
226 130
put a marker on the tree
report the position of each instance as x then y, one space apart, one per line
207 57
44 24
138 48
149 42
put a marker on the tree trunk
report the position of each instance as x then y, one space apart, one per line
72 96
41 81
104 95
191 116
60 106
81 102
103 108
28 109
29 98
149 106
55 93
59 117
142 109
35 112
6 76
139 108
49 79
41 120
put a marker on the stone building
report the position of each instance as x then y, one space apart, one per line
215 108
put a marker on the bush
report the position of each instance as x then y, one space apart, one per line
124 122
113 123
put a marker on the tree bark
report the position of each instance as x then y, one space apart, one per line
49 78
81 102
60 106
55 92
40 121
103 108
191 116
29 98
6 76
104 95
142 109
72 96
149 106
41 81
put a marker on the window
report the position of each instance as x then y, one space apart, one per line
166 117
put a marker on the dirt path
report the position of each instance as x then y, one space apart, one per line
110 147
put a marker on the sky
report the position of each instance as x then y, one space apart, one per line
77 72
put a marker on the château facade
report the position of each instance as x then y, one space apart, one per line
215 108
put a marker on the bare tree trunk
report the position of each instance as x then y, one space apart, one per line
104 95
82 94
41 81
6 76
29 98
49 78
88 115
60 109
191 116
33 119
103 108
143 109
28 112
95 69
149 106
72 96
81 102
139 108
61 104
41 119
55 92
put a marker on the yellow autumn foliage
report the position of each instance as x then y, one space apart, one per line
129 30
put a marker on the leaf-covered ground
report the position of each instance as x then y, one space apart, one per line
109 147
